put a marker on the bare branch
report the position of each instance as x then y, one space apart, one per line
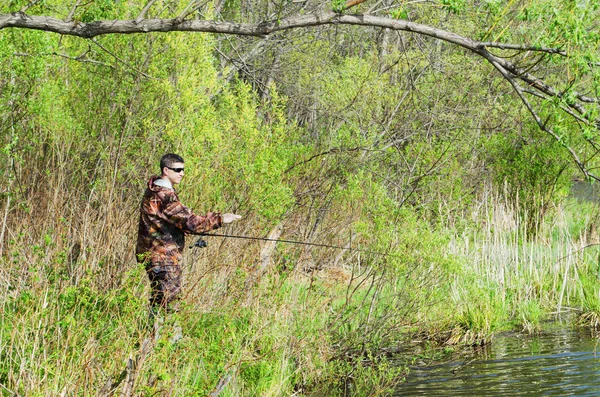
97 28
542 125
69 17
505 46
241 62
538 84
144 11
80 58
334 150
28 6
120 60
189 9
263 29
571 113
508 70
83 58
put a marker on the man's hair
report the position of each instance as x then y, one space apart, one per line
169 159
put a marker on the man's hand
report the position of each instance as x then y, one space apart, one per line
228 218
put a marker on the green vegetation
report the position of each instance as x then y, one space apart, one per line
403 146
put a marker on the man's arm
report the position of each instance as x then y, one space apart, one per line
181 216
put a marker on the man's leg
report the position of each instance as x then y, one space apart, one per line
165 281
171 297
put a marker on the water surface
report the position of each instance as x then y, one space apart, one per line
562 362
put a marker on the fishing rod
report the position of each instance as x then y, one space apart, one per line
201 243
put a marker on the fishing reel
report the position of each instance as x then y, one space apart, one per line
200 243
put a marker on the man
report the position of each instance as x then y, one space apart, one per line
161 233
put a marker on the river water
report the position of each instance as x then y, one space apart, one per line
560 362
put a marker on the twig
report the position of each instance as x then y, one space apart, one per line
578 250
82 58
79 58
520 92
130 372
69 17
564 108
12 393
28 6
221 385
7 209
142 15
120 60
189 9
4 225
506 46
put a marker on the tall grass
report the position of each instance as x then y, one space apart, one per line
73 311
511 276
73 307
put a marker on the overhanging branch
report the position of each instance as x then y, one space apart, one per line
542 125
576 102
97 28
517 47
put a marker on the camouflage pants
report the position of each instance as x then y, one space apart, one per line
165 281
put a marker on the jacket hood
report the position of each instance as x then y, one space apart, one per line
152 186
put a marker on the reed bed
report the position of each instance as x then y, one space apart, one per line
511 275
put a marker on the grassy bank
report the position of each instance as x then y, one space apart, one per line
70 325
273 339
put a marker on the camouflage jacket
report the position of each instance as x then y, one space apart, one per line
163 224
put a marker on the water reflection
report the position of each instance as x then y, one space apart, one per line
560 363
585 191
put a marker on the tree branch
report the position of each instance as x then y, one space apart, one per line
121 61
192 7
83 58
144 11
28 6
334 150
542 125
80 58
69 17
505 46
97 28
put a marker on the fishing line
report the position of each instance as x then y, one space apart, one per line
200 243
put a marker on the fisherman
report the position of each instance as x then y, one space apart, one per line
164 220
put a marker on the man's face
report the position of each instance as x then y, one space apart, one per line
172 174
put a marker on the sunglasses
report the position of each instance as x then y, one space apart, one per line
176 169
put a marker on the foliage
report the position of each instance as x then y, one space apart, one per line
533 170
405 149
